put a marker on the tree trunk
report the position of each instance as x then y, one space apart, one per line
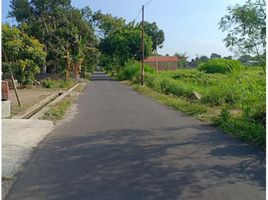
67 75
44 66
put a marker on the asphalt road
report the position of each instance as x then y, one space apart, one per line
124 146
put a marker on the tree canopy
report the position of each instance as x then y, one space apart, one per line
56 24
79 39
246 27
121 41
215 55
156 34
21 53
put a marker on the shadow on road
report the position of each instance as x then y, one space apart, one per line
129 164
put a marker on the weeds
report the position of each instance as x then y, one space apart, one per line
242 89
48 83
220 65
56 112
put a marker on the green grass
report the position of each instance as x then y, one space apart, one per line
58 84
56 112
220 65
196 109
242 128
242 93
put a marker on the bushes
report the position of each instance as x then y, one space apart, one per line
129 72
170 86
48 83
22 54
220 65
132 70
251 132
223 93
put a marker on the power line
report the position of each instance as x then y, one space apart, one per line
138 15
141 10
148 3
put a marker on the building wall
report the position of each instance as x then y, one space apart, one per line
163 65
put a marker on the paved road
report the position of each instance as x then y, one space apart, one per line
124 146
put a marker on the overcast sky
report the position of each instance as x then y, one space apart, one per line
190 26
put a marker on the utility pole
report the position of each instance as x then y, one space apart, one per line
156 57
142 47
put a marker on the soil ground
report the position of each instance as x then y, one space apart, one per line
28 97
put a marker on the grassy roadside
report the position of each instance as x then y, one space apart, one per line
193 108
57 112
58 84
213 115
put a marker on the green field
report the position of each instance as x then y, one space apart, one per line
234 101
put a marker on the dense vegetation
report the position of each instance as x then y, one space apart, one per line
246 27
219 65
22 54
237 97
71 41
50 37
121 41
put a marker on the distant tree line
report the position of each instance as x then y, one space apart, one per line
70 40
52 36
121 41
62 34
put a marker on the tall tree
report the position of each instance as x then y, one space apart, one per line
21 53
215 55
57 25
125 44
119 41
246 25
156 34
39 18
107 24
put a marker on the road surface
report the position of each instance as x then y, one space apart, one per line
124 146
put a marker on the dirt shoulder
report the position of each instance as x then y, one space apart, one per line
28 98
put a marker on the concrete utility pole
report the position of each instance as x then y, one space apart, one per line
142 47
156 57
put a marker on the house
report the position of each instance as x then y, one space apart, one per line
162 62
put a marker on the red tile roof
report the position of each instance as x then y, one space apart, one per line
162 59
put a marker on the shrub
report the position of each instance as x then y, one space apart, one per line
63 84
132 71
170 86
129 72
242 128
220 65
23 54
47 83
87 75
222 94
